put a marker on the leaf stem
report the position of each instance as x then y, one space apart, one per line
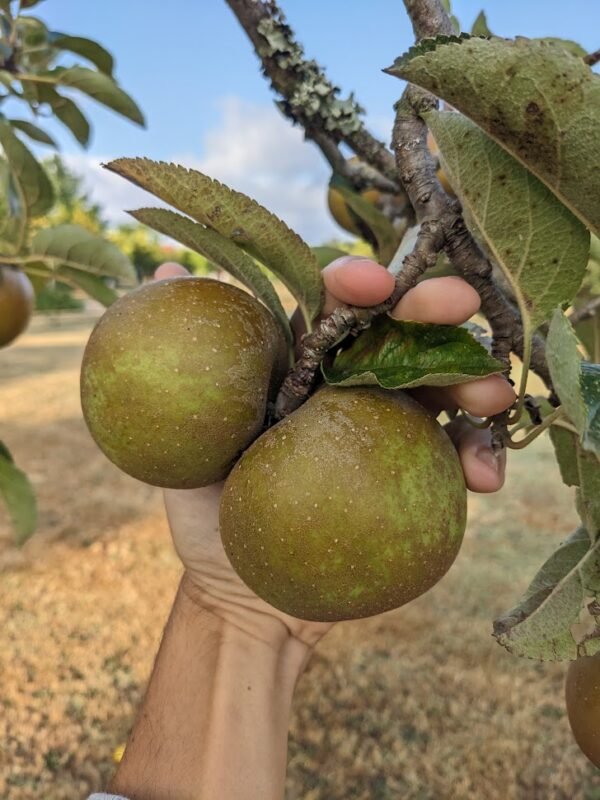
480 424
551 419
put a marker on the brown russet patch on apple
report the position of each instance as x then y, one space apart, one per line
418 703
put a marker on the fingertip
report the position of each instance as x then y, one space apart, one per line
484 470
446 301
358 281
170 269
483 397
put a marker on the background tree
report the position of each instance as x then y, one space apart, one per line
48 229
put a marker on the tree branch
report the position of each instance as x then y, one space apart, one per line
428 18
352 319
308 97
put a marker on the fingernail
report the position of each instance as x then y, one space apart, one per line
487 456
340 262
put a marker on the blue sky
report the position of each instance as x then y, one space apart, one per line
193 72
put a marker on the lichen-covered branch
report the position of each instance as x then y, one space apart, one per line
308 97
428 18
346 320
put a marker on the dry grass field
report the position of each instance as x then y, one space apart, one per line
419 704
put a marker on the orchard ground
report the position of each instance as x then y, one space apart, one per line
419 704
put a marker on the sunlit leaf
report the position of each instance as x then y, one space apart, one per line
541 625
576 382
325 254
565 448
33 131
96 85
67 111
399 355
75 247
541 247
36 195
480 26
87 48
18 495
534 97
219 251
236 217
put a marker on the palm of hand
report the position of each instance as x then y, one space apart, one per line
194 514
194 520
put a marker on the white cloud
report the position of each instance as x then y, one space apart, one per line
253 149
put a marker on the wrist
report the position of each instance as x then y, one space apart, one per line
241 623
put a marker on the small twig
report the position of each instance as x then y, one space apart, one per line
539 429
585 312
592 58
345 320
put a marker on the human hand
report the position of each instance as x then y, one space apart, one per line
194 514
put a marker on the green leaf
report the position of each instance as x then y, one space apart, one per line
67 112
87 48
590 393
565 448
534 97
236 217
18 495
480 26
12 220
385 235
35 191
541 247
564 363
401 355
325 254
220 251
93 285
96 85
75 247
588 494
542 624
33 131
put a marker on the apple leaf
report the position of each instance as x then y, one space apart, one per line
325 254
565 448
34 190
590 392
220 251
66 111
588 493
537 99
577 382
236 217
33 131
100 87
87 48
18 495
75 247
541 625
400 355
540 246
480 26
